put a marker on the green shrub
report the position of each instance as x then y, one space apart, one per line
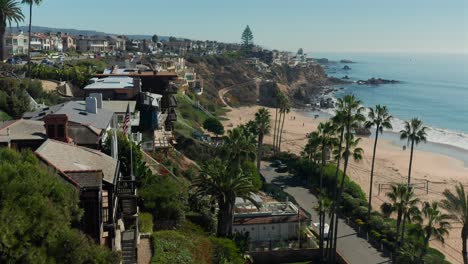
348 204
376 222
226 251
375 234
145 222
360 212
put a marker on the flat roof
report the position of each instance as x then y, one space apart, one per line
119 106
114 82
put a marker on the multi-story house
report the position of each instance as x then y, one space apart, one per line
40 42
95 44
68 42
116 43
56 43
16 44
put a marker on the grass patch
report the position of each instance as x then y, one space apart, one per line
145 223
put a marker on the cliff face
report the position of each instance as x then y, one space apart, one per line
247 85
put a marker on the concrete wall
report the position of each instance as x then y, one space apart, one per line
267 232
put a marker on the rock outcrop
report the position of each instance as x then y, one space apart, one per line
376 81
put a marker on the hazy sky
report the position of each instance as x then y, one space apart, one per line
315 25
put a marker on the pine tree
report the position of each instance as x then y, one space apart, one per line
247 39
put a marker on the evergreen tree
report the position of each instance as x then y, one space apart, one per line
155 38
247 39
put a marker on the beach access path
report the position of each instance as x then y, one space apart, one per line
354 249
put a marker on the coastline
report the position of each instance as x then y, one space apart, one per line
391 165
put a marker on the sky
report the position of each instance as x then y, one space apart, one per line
426 26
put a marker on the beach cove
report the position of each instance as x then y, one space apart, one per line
391 165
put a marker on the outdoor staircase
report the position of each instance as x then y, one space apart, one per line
128 247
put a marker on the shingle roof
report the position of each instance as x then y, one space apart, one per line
76 112
66 157
86 178
22 129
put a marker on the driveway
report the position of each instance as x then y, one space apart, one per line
354 249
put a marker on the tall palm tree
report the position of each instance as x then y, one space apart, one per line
263 125
457 205
219 182
285 108
279 96
414 132
312 147
9 12
401 200
380 118
324 206
30 3
434 224
351 110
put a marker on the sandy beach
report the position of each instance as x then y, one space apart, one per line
437 172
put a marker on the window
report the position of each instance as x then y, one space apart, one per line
60 131
51 131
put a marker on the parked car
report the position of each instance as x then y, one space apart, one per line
276 163
325 231
47 62
282 168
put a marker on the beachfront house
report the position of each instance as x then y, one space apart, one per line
16 44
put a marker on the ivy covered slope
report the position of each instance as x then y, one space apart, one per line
38 213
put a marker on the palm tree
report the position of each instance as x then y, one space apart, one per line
263 125
9 12
279 96
414 132
401 200
285 108
324 205
239 146
223 184
379 118
350 109
312 147
434 225
30 3
457 205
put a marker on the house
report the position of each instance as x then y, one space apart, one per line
115 88
16 44
116 43
68 43
271 221
40 42
107 198
94 44
151 114
22 134
119 108
84 123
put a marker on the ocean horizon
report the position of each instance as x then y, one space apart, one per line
432 87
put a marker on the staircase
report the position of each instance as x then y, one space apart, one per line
129 247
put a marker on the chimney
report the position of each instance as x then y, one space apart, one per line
98 97
137 84
57 127
91 105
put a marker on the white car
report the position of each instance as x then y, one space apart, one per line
325 231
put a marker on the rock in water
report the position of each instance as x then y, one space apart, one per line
346 67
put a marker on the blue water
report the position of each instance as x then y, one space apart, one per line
434 88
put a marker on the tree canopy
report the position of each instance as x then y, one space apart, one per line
155 38
214 126
37 215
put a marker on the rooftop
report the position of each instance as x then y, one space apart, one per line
117 82
76 112
72 159
22 129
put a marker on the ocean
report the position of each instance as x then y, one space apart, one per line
433 87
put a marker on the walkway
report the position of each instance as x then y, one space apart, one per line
354 249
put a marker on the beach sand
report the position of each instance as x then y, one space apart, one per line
437 172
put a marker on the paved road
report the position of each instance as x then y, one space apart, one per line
353 248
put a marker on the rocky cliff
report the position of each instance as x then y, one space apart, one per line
248 85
